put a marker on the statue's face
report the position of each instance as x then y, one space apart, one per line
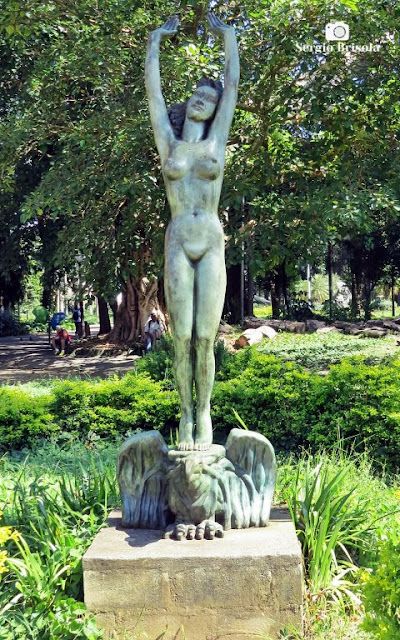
201 106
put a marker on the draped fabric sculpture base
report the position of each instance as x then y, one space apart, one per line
198 493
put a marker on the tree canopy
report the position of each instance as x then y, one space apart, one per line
312 156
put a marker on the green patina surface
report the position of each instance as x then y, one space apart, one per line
191 140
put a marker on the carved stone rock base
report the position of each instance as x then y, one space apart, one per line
245 585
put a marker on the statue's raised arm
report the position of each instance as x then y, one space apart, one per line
226 107
162 129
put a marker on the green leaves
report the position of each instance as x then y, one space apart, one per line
381 593
310 128
352 4
329 524
44 581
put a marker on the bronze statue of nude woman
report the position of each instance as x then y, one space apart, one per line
192 161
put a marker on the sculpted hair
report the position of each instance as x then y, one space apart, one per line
177 112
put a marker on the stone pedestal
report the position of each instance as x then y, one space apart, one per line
249 582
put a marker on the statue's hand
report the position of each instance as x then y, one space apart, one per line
217 27
168 29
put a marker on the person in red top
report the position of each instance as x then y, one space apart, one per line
60 340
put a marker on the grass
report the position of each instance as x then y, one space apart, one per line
386 312
265 311
317 351
340 508
262 311
55 498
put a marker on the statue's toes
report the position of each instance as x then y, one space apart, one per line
191 532
180 531
169 532
201 446
185 446
209 531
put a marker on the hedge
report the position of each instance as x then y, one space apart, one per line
292 406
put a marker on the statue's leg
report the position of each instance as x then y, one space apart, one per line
179 292
210 285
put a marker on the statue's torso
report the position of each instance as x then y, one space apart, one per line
193 175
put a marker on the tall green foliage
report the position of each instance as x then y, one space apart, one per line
381 593
311 157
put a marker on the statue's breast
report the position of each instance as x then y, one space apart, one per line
194 159
175 168
207 168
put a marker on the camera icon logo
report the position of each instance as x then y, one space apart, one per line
337 31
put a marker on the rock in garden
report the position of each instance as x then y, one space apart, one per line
374 333
392 326
314 325
328 330
295 327
268 332
224 327
254 336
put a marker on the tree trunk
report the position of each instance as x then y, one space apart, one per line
114 307
249 299
356 289
367 295
330 279
276 293
138 301
285 289
392 291
105 325
232 297
47 294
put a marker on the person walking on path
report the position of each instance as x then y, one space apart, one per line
77 318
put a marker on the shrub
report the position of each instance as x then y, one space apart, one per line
114 405
159 362
23 418
382 594
40 315
294 407
269 395
361 403
9 326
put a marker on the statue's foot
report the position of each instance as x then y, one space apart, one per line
201 446
186 446
207 530
180 531
186 442
203 439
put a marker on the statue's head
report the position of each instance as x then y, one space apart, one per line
201 106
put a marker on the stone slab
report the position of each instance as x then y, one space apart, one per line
249 582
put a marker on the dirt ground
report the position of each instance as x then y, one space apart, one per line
26 358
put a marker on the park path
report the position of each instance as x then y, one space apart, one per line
26 358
